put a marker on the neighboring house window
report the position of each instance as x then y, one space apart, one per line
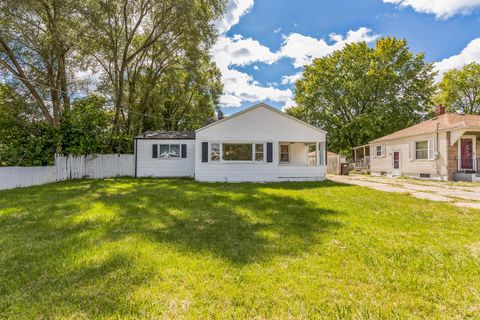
215 152
284 153
378 150
168 151
421 150
237 151
259 152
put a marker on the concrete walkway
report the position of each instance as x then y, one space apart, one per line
460 195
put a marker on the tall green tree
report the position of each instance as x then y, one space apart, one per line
179 99
152 57
360 93
460 89
129 35
37 40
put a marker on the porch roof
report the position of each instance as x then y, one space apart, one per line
447 121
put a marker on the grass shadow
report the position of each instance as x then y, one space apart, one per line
78 236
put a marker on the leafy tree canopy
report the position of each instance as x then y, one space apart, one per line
150 59
360 93
460 89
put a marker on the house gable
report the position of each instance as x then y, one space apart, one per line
258 122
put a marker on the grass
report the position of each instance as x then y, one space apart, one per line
147 248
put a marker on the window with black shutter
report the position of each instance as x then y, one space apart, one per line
154 150
204 151
184 151
269 152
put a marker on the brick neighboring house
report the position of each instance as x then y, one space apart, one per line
442 148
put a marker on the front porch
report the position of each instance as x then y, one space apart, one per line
301 154
463 155
361 158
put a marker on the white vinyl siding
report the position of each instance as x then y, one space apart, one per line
259 125
147 166
410 165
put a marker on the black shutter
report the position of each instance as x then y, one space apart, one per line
204 151
269 152
184 150
154 150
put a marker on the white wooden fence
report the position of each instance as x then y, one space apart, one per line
69 167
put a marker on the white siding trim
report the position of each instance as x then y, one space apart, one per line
264 105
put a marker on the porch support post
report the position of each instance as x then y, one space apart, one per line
317 151
364 156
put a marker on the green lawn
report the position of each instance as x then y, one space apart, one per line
133 248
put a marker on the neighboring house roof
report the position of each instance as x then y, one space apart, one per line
447 121
166 135
264 105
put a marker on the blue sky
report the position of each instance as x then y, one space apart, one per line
263 44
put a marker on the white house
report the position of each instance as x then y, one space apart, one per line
443 148
259 144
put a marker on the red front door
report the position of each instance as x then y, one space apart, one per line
396 160
466 153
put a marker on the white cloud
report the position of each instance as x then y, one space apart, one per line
442 9
240 52
303 49
288 104
237 51
277 30
240 87
235 9
292 78
471 53
239 84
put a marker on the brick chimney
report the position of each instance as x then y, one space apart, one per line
439 110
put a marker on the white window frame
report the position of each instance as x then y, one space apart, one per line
382 151
219 152
412 146
255 152
252 155
280 152
221 160
159 154
416 150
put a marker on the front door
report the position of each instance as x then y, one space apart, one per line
396 171
466 154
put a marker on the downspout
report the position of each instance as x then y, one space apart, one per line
135 151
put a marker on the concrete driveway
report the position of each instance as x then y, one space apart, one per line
462 195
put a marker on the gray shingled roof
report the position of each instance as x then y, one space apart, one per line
159 134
